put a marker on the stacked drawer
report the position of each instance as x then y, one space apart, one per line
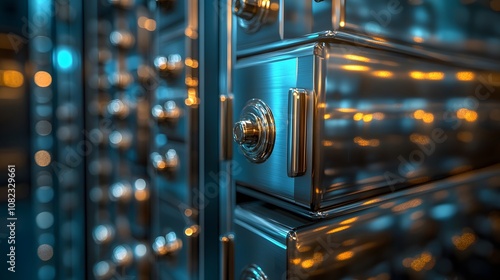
174 137
118 186
340 104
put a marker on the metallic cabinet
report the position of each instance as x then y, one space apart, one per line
349 122
445 229
464 28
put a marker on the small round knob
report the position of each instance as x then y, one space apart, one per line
120 191
168 163
122 39
121 79
120 139
167 245
122 255
246 132
118 108
169 67
169 112
255 131
255 13
103 234
104 270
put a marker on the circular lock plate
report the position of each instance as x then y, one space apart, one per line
255 132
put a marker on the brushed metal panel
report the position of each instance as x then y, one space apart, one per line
462 27
437 233
392 121
270 83
382 121
445 229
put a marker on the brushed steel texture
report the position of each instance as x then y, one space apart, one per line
381 121
447 221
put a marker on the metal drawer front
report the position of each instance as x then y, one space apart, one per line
449 220
377 121
463 26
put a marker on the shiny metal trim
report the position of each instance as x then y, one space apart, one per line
227 262
226 125
338 14
297 132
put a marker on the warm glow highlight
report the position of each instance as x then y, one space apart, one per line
43 79
11 78
465 76
359 68
383 74
42 158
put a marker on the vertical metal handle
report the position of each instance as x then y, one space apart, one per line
297 132
227 242
226 126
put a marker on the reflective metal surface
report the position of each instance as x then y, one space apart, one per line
380 121
463 27
444 229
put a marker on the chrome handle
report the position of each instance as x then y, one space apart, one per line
226 120
227 242
255 131
297 134
167 245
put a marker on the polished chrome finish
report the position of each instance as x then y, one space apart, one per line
297 132
122 255
118 108
255 131
168 163
169 112
169 244
365 137
122 39
379 238
413 24
103 234
120 192
169 67
226 124
255 13
120 139
104 270
227 257
121 79
253 272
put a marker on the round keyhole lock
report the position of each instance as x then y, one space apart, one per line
255 132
